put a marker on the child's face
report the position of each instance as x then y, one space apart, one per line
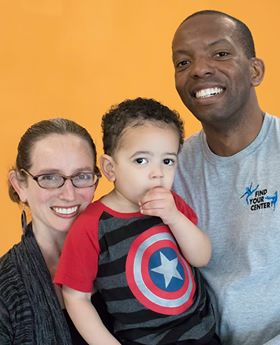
146 157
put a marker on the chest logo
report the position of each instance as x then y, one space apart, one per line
157 274
259 198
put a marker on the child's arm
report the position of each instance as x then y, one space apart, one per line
194 243
86 318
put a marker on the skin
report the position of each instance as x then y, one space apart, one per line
142 169
143 160
68 155
207 54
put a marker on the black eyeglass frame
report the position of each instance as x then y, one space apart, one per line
96 176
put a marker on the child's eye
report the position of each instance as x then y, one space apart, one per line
141 161
169 161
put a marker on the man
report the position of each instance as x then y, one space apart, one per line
229 173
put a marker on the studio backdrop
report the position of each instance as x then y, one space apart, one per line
75 58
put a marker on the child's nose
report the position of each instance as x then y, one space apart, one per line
157 172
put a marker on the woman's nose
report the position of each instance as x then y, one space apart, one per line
67 191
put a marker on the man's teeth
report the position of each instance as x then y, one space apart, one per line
63 210
208 92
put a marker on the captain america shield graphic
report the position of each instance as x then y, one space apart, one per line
157 274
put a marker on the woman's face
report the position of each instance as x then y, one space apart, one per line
54 210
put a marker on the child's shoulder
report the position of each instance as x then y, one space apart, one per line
185 208
93 210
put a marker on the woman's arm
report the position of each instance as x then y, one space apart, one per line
86 318
6 335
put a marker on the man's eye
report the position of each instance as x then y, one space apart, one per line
183 64
169 161
222 54
141 161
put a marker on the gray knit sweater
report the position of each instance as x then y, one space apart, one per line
29 309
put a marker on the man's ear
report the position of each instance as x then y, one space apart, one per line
107 165
18 185
257 71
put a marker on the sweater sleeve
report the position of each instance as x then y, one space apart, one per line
6 335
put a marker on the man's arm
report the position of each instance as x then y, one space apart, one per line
86 318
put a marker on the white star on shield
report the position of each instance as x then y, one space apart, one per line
168 269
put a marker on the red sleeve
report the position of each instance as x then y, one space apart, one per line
78 262
185 208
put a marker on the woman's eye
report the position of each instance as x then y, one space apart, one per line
169 161
51 177
84 176
141 161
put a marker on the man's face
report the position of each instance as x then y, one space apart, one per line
212 72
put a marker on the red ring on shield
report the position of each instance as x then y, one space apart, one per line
139 278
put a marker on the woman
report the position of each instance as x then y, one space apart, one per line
55 176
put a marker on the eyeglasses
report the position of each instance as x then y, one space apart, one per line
52 181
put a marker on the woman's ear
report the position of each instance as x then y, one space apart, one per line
257 71
107 165
18 185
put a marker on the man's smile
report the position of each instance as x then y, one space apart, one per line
209 92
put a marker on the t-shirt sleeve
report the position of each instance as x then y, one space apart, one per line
78 264
185 208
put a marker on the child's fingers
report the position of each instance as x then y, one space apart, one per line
157 193
153 204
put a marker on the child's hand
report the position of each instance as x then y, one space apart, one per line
159 202
194 244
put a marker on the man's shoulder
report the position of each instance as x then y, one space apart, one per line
271 129
272 118
194 139
192 146
272 115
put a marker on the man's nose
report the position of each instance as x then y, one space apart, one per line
202 67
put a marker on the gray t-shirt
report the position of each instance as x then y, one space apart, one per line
236 200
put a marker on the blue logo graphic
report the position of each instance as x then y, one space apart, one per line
273 198
248 192
259 198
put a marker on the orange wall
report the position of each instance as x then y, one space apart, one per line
74 58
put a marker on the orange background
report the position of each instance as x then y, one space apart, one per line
75 58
